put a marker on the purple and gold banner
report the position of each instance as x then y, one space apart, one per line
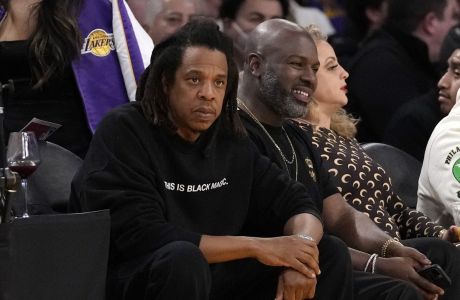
111 60
115 52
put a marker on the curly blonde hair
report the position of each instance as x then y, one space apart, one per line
342 123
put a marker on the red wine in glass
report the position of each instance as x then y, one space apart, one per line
24 169
23 157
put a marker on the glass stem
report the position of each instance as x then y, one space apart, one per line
25 188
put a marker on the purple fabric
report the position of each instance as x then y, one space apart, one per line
99 78
135 53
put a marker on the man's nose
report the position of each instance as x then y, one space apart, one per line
309 75
207 91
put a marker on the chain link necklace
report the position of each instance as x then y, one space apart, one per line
287 162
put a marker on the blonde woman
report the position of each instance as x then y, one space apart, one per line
333 132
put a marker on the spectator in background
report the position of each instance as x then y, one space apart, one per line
306 15
161 18
332 10
413 123
70 62
138 7
411 126
210 8
395 64
366 15
240 17
363 17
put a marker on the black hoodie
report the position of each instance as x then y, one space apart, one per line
160 188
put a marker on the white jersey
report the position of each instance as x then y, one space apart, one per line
439 183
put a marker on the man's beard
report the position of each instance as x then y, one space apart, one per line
278 99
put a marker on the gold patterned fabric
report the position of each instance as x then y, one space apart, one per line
365 185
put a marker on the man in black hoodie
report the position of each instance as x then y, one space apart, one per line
196 211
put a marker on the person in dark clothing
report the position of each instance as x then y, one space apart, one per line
362 18
278 81
193 204
412 125
240 17
395 64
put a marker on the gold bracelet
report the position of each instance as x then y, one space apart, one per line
384 249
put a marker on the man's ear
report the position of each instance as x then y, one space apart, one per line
429 24
255 63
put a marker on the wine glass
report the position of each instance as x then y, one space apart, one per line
23 157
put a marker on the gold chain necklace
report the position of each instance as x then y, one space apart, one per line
285 160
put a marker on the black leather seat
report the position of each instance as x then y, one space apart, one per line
49 185
403 169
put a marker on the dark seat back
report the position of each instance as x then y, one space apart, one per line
403 169
49 186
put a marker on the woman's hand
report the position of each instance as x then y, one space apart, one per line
452 234
399 250
405 268
293 285
290 251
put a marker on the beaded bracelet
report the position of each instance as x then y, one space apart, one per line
384 249
371 262
441 233
306 237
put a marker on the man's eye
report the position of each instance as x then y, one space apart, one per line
256 20
220 83
194 80
296 64
174 20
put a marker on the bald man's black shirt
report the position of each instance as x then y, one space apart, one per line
311 171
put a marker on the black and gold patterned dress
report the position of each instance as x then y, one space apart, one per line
365 185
